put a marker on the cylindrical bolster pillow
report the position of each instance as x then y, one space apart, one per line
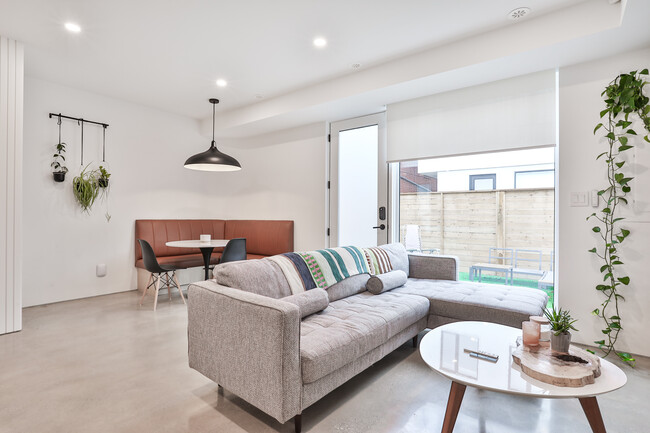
309 302
384 282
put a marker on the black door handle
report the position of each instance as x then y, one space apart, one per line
380 227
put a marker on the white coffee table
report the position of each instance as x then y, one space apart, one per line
443 350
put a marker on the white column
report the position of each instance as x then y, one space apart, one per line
11 170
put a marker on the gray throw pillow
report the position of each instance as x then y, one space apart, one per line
385 282
309 302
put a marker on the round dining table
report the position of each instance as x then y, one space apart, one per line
206 248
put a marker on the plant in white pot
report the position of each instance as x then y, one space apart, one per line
58 164
561 323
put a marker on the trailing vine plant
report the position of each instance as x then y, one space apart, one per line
625 101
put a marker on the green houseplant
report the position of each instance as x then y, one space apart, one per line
85 188
561 324
58 164
625 102
102 180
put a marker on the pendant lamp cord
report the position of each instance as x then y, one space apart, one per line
213 112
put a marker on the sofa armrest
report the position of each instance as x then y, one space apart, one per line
433 267
247 343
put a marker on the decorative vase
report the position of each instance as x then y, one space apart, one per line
59 176
560 343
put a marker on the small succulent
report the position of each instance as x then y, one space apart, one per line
560 320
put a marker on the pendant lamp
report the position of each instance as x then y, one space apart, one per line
212 159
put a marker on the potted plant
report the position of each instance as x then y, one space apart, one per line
85 188
561 323
58 165
102 180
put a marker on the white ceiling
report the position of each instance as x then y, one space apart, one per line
167 54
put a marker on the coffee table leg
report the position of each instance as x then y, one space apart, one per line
590 406
453 405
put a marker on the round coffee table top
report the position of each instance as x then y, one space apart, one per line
214 243
443 350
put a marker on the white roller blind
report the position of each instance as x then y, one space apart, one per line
508 114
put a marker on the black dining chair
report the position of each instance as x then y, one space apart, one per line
235 250
158 272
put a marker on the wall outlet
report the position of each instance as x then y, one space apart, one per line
101 270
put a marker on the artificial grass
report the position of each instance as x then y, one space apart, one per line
522 282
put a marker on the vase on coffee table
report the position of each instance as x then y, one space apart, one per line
560 342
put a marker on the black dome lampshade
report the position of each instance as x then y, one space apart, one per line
212 159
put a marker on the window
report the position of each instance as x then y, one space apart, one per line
482 182
535 179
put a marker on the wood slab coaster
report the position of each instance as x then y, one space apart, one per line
576 369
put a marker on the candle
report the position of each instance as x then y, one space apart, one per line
530 333
544 328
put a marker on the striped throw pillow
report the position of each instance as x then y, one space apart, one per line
378 261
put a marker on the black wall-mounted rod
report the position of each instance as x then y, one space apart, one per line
78 119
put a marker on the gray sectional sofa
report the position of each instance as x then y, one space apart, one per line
244 336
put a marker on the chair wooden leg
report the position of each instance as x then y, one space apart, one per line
144 292
155 300
297 420
178 286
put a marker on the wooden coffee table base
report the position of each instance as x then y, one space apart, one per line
457 391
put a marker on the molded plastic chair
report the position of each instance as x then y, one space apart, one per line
235 250
158 272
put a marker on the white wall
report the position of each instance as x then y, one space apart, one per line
11 156
580 103
283 176
145 150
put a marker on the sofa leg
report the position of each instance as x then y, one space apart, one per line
415 342
297 420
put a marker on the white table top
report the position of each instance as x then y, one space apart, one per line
443 350
214 243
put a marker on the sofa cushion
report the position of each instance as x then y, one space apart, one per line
351 327
384 282
347 287
399 258
309 302
263 277
462 300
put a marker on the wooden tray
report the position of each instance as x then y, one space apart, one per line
540 363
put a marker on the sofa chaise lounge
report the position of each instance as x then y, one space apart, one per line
244 334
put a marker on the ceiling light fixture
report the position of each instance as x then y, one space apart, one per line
72 27
212 159
320 42
221 82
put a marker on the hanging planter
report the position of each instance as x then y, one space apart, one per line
58 164
102 180
85 188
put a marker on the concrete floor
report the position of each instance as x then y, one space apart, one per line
104 365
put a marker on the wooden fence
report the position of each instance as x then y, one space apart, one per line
466 224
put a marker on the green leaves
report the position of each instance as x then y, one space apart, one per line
625 103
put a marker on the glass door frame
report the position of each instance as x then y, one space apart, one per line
379 119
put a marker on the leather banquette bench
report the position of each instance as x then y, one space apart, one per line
263 238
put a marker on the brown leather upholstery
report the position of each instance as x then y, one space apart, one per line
263 238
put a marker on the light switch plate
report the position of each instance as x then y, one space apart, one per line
579 199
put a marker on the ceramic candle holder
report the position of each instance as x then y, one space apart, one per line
530 332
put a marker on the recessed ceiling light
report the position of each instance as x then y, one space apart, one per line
320 42
72 27
221 82
519 13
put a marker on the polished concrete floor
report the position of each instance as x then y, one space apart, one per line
104 365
